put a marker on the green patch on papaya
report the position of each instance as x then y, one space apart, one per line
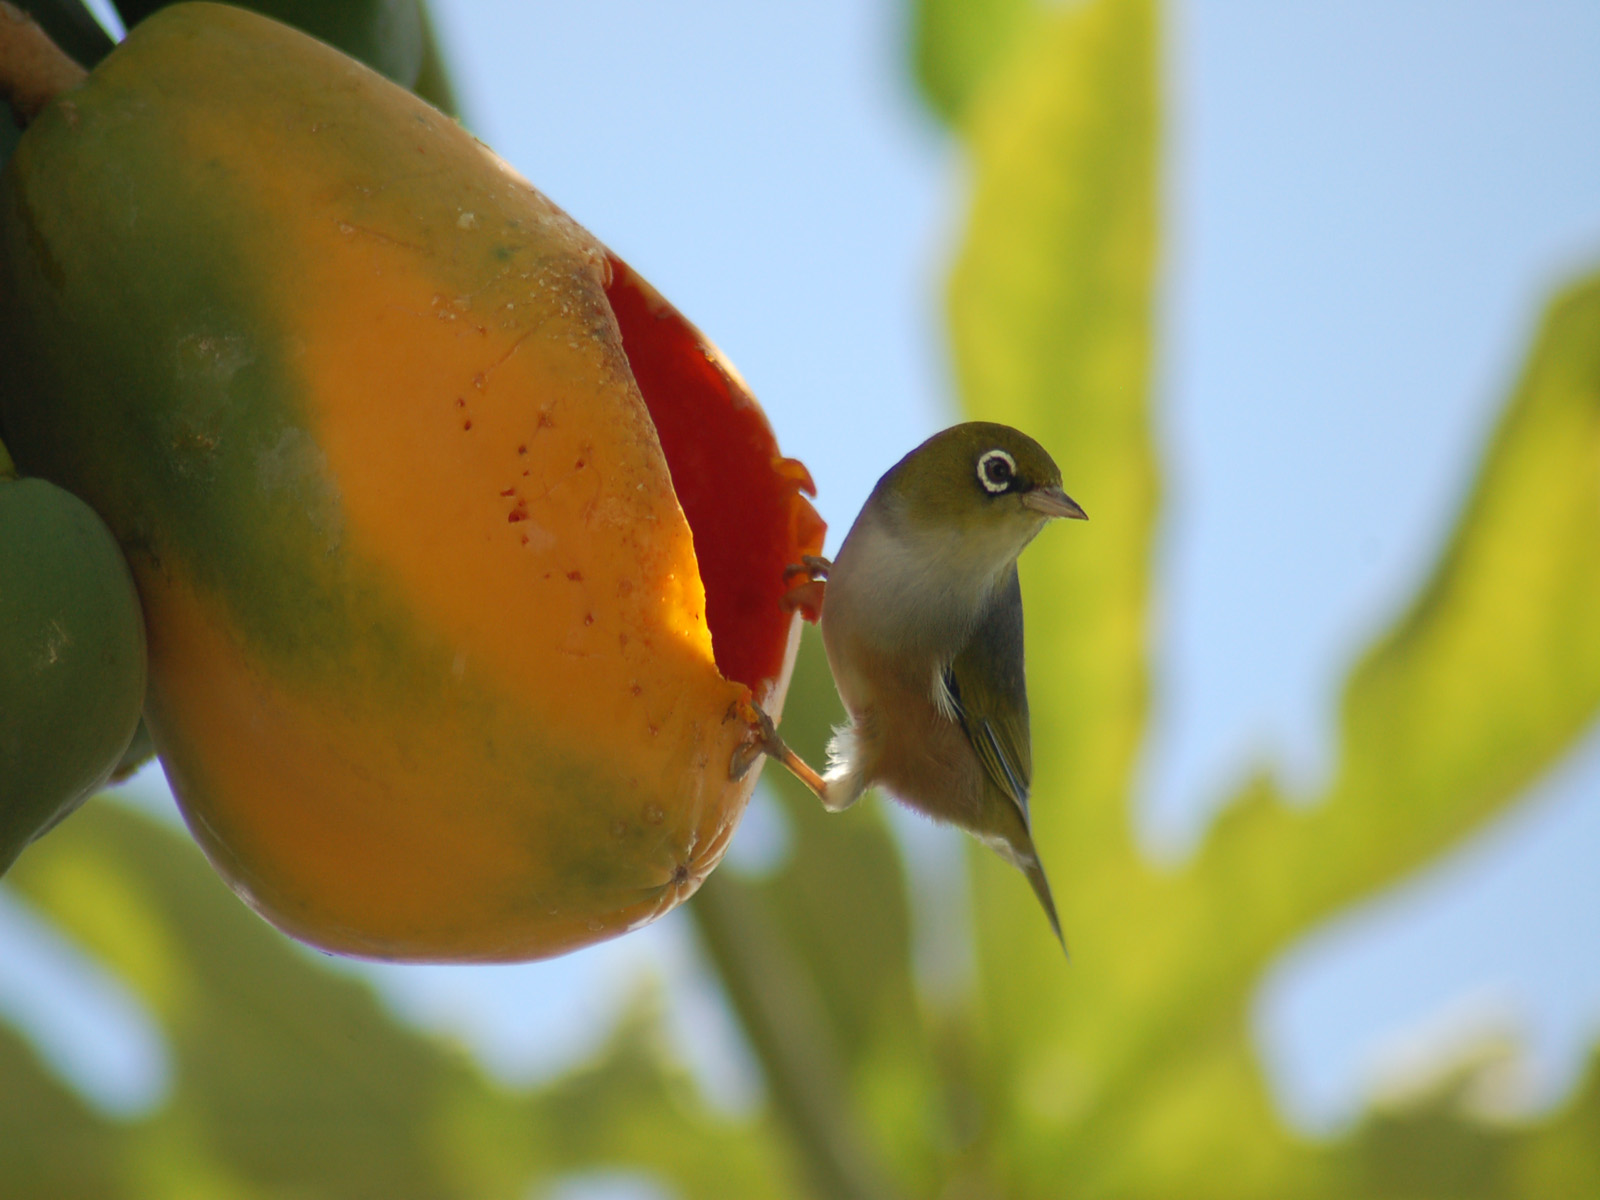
186 427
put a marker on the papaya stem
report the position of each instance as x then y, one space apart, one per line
33 70
789 1032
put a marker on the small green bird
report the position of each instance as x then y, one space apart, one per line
921 615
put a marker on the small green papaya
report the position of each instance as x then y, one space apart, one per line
72 657
140 751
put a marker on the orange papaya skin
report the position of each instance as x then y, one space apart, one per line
430 670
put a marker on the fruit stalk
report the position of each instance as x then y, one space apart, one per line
33 70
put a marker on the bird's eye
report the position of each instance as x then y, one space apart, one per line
996 471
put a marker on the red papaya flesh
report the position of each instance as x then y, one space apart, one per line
401 458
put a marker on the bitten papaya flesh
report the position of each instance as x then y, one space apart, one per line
72 657
400 456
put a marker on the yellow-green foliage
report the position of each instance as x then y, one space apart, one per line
1130 1073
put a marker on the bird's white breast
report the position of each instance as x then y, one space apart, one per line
916 594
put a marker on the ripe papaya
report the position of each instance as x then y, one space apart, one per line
461 550
72 657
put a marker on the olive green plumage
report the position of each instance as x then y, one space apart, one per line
922 620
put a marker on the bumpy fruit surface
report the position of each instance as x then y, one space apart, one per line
401 458
72 658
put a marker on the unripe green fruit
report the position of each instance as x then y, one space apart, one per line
72 658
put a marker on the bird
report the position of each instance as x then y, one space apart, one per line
921 618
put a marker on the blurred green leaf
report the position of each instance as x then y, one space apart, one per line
286 1075
1133 1073
54 1145
1434 1146
839 897
1490 677
957 44
291 1079
433 73
1051 305
790 950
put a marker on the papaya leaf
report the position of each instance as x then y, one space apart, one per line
840 893
1133 1073
1050 309
433 72
956 44
628 1110
1492 674
291 1078
54 1144
789 950
1433 1145
284 1074
780 1008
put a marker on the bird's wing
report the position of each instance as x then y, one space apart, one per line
990 691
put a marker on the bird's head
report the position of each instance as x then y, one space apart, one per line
985 489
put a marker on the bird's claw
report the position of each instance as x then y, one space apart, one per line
765 740
812 566
806 597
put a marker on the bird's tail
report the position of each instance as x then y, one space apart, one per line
1034 870
1016 847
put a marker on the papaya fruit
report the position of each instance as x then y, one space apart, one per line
461 551
387 35
72 657
140 751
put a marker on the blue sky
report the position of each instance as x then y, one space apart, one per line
1365 206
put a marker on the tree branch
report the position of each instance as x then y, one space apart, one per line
785 1023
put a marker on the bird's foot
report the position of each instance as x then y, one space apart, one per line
765 735
806 597
766 741
812 566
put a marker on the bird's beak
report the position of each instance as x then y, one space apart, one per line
1053 502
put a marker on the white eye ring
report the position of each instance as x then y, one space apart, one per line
1002 479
